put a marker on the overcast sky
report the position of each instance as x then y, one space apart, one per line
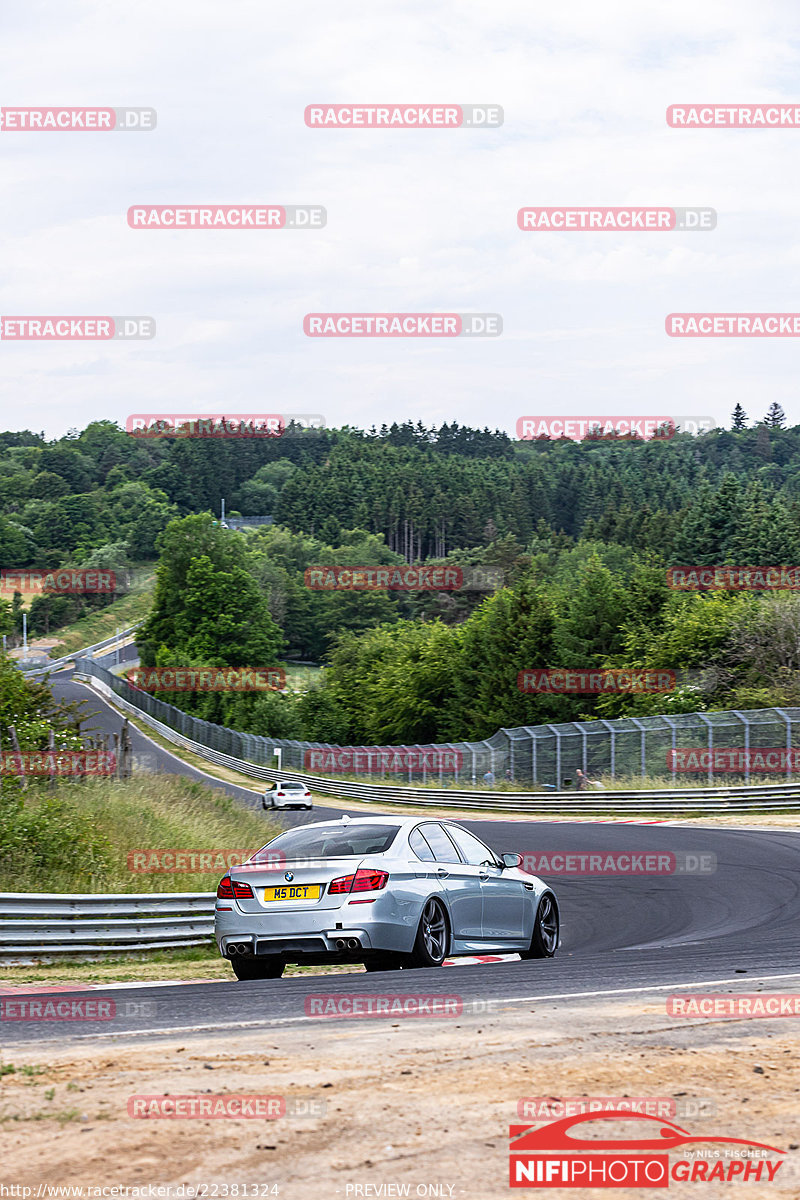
417 220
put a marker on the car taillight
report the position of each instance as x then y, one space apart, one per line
229 889
369 881
363 881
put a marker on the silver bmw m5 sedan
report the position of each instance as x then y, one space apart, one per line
389 893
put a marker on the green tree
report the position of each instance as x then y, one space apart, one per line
224 619
183 541
776 417
739 418
591 616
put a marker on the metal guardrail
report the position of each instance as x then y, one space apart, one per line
55 663
750 798
58 923
546 755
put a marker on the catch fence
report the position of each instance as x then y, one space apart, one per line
545 756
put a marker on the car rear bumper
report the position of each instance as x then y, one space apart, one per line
300 935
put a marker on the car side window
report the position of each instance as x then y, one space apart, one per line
440 843
420 847
471 847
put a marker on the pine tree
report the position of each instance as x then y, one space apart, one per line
592 613
739 420
776 417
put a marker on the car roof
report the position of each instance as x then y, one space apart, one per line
394 822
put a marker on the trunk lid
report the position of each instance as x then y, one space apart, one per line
306 873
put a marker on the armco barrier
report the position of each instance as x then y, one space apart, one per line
755 798
87 651
33 924
545 755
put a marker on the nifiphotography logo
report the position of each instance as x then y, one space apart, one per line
555 1156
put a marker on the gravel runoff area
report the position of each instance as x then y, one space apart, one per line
416 1103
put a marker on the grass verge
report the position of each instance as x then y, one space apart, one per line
193 963
97 626
78 838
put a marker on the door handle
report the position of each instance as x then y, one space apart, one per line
443 871
483 876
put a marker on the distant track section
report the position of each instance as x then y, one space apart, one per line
56 663
759 798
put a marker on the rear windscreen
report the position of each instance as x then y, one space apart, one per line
329 842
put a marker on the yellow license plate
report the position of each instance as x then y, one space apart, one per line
301 891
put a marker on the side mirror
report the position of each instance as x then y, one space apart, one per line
511 860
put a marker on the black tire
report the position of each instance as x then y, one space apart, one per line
384 962
544 941
433 936
267 967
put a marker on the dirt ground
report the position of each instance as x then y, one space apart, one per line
41 644
422 1104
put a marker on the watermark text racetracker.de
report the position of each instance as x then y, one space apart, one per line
734 116
54 1007
62 581
404 578
402 324
227 216
589 681
76 329
394 1004
753 1005
229 1190
63 763
67 120
733 578
207 679
555 863
592 681
629 219
597 428
548 1108
174 860
735 760
224 1106
370 760
389 578
403 116
223 425
733 324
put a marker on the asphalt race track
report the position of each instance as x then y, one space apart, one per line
739 925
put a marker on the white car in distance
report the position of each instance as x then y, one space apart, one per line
286 794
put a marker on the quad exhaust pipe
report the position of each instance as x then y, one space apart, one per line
341 944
